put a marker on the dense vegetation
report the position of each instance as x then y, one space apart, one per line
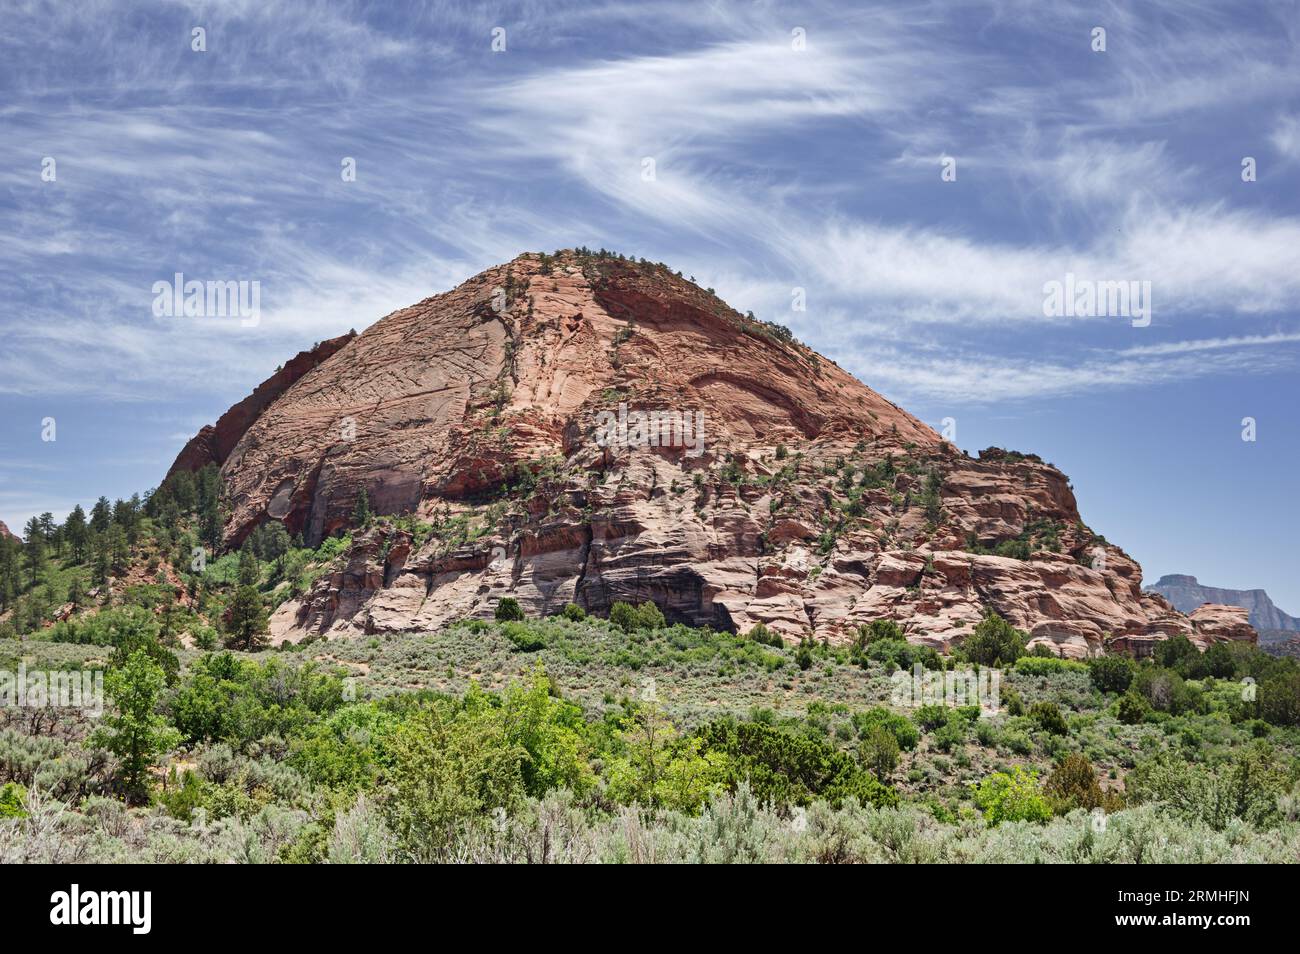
573 738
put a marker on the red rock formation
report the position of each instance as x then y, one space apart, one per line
6 532
213 443
812 503
1218 622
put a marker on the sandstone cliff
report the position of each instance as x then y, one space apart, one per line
502 417
1186 594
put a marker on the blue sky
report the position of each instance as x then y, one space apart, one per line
775 168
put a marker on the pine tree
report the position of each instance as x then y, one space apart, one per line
246 624
249 570
36 557
77 533
101 515
76 593
361 515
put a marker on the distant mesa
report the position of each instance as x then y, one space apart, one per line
1187 594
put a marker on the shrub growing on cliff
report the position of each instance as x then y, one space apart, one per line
876 630
508 610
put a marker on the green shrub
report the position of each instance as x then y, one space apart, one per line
451 766
877 630
1012 796
1167 691
995 642
522 637
1111 672
931 717
1132 709
573 612
1048 716
762 634
786 768
12 796
952 734
1279 699
904 731
508 610
1168 653
879 752
1073 784
631 618
1011 700
1247 786
1047 665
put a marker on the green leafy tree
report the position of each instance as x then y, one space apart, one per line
450 768
656 767
995 642
134 731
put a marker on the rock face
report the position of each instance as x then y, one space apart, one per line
6 532
1216 623
1186 594
585 428
213 444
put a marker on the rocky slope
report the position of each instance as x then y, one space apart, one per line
6 532
1186 594
799 498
